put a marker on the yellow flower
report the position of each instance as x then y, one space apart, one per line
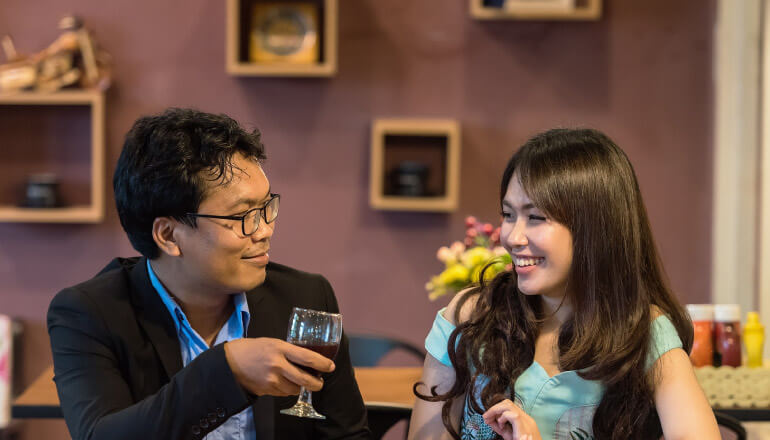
438 292
489 274
477 256
454 273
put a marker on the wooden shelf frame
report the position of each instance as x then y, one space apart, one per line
381 128
236 66
94 212
592 10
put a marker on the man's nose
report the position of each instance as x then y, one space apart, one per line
264 230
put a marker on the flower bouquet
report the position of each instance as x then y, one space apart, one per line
465 260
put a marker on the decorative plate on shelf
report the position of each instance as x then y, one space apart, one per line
284 33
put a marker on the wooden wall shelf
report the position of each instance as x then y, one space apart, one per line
236 43
435 142
92 212
584 10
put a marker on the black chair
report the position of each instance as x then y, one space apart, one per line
367 350
731 424
383 416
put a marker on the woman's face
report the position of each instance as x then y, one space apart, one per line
541 248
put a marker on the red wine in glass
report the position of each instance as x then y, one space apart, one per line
317 331
326 350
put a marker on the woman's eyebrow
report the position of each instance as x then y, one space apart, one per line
524 207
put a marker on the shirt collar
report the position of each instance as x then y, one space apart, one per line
240 306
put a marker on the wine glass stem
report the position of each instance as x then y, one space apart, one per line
306 396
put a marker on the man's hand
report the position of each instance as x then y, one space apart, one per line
265 366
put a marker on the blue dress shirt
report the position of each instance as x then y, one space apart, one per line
241 425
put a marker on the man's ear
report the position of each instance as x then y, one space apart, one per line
163 229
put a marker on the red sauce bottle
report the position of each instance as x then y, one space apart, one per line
702 316
727 333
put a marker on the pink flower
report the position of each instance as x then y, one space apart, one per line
444 254
457 248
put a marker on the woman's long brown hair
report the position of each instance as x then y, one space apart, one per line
581 179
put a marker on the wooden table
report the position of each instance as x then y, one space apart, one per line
391 386
380 386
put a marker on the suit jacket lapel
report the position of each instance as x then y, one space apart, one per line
263 409
259 323
155 319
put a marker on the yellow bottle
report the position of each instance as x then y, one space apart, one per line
754 339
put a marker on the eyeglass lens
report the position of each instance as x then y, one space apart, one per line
251 221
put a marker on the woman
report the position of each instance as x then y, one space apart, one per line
585 331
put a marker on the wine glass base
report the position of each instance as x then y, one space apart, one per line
302 409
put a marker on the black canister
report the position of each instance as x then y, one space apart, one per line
42 191
410 179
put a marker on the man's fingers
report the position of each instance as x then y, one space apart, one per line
280 386
301 378
287 388
308 358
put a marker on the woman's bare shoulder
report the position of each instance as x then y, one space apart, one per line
466 300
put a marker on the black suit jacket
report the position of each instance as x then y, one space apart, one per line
118 366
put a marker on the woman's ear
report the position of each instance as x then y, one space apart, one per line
163 229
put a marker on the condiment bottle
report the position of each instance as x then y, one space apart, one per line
727 333
702 316
754 339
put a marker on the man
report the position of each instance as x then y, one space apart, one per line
187 341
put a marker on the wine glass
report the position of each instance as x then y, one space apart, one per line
317 331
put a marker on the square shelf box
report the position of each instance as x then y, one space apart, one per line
301 59
549 11
89 207
415 165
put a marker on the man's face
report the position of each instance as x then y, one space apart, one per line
216 254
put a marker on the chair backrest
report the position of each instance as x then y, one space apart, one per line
730 424
382 417
367 350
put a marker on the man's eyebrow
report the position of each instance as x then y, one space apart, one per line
252 202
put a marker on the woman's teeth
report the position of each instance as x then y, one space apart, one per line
524 262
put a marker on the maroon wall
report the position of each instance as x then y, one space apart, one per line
642 74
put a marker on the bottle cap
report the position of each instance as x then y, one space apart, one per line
701 312
727 313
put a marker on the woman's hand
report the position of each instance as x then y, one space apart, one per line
511 422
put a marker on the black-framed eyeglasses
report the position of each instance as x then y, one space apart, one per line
250 220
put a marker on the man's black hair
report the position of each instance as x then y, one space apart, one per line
165 165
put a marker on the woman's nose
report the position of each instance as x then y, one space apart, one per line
517 237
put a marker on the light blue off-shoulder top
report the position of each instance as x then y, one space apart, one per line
563 406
